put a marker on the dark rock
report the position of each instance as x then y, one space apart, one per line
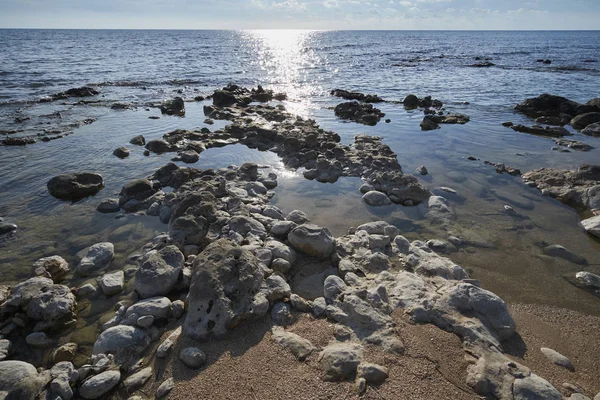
542 130
138 190
108 206
5 228
138 140
428 124
17 141
573 144
547 105
583 120
549 121
367 98
592 129
411 101
173 107
159 146
483 64
75 186
121 152
362 113
507 124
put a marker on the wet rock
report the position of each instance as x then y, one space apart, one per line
159 146
340 360
38 340
138 140
547 105
557 250
124 342
192 357
483 64
400 188
411 101
451 119
312 240
189 156
107 206
66 352
122 152
225 281
557 358
583 120
165 388
137 380
367 98
557 121
75 186
422 170
376 199
175 106
6 227
112 284
99 385
362 113
301 348
97 258
592 129
139 190
428 124
84 91
159 272
54 267
17 141
542 130
19 380
573 144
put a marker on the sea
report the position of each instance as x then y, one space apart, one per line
142 68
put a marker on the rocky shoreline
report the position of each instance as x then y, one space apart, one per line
229 259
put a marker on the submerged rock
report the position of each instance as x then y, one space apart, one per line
367 98
542 130
96 259
121 152
75 186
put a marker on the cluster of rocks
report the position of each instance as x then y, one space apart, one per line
579 189
84 91
432 121
232 95
363 113
556 110
367 98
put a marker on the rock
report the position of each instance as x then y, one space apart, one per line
124 342
137 380
66 352
319 306
312 240
301 348
112 283
53 306
158 146
281 314
367 98
282 228
547 105
374 374
592 225
340 360
165 388
592 129
192 357
138 140
75 186
534 387
139 190
297 216
589 281
225 281
145 322
54 267
5 348
5 228
159 272
333 287
275 288
539 130
483 64
108 206
557 358
62 388
121 152
84 91
246 225
175 106
359 112
19 380
189 157
299 303
99 385
376 199
583 120
157 307
573 144
97 258
39 340
422 170
411 101
556 250
428 124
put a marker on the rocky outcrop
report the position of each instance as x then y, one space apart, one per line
583 120
547 105
75 186
358 112
367 98
225 282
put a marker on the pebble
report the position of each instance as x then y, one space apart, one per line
192 357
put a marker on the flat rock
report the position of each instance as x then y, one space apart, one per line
312 240
340 360
97 258
99 385
112 283
592 225
75 186
557 358
300 347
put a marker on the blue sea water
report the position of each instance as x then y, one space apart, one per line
146 67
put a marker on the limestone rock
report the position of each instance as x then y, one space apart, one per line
112 283
159 272
340 360
54 267
158 307
592 225
124 342
301 348
99 385
97 258
557 358
312 240
192 357
19 380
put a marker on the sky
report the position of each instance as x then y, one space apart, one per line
302 14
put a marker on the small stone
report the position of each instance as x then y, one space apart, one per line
297 345
178 307
319 306
333 287
107 206
138 140
189 157
422 170
61 387
165 348
137 380
340 360
39 340
361 386
373 373
557 358
99 385
145 321
165 388
192 357
112 284
66 352
121 152
281 314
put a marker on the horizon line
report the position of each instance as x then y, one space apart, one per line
304 29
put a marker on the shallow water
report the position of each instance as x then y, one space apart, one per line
151 66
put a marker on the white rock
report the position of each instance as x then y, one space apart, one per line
112 283
592 225
97 258
557 358
99 385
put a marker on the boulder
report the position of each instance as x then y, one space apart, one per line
138 190
189 157
175 106
428 124
192 357
225 280
159 146
583 120
592 129
75 186
340 360
121 152
112 284
107 206
312 240
53 306
97 258
359 112
99 385
411 101
138 140
159 272
6 227
592 225
124 342
19 380
372 373
376 199
54 267
588 281
165 388
158 307
547 105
